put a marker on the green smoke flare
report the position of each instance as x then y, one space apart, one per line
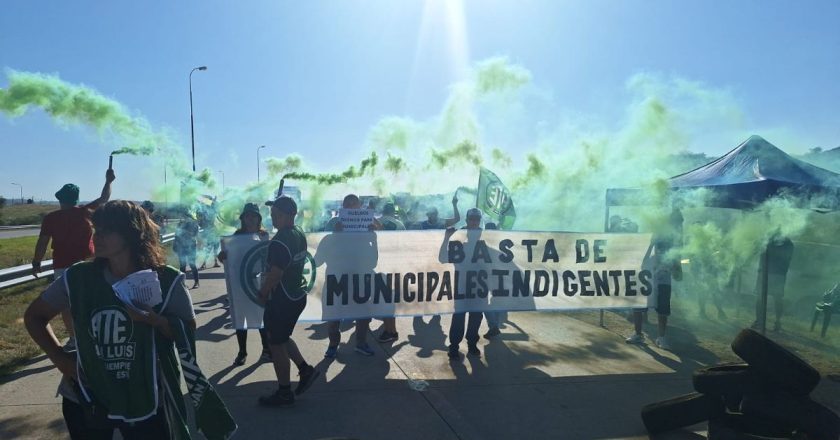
334 178
80 105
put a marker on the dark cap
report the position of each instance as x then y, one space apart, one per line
251 208
389 209
68 194
284 204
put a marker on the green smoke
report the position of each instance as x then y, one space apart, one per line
366 165
498 75
78 105
394 164
536 170
279 167
501 159
464 152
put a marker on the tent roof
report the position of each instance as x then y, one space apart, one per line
751 173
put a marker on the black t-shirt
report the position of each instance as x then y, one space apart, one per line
287 251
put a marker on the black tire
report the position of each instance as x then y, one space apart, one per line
819 422
732 379
749 426
775 363
680 411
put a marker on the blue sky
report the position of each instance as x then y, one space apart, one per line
313 77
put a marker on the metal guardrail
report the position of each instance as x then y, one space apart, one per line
14 276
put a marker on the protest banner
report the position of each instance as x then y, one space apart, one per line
411 273
246 256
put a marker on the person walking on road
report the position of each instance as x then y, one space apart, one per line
284 295
71 234
115 380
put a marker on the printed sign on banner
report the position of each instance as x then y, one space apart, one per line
411 273
356 220
246 256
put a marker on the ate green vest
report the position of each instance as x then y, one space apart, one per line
117 356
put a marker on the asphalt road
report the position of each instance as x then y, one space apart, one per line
548 376
12 233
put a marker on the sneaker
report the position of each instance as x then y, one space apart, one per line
265 356
70 346
454 354
279 398
635 339
662 342
331 352
364 350
240 359
307 376
492 333
195 286
473 350
387 336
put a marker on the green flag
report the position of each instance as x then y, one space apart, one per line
494 199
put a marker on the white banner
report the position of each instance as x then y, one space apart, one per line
246 256
409 273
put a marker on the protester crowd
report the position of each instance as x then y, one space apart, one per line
100 244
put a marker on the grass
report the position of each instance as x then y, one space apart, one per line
24 214
16 347
19 250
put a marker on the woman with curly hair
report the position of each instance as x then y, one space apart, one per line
124 374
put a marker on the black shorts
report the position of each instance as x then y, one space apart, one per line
280 317
663 300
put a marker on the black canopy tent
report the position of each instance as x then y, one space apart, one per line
750 174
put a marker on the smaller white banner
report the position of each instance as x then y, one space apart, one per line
356 220
246 256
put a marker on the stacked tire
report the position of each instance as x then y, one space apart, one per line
764 397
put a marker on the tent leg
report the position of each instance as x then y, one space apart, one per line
762 318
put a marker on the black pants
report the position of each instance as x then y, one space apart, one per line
186 260
154 427
242 340
456 329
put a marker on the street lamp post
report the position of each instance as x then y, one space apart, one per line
21 191
223 179
258 162
192 130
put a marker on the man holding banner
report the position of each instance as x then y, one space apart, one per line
352 219
456 328
284 294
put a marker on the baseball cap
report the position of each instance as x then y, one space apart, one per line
250 208
68 194
474 212
285 204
